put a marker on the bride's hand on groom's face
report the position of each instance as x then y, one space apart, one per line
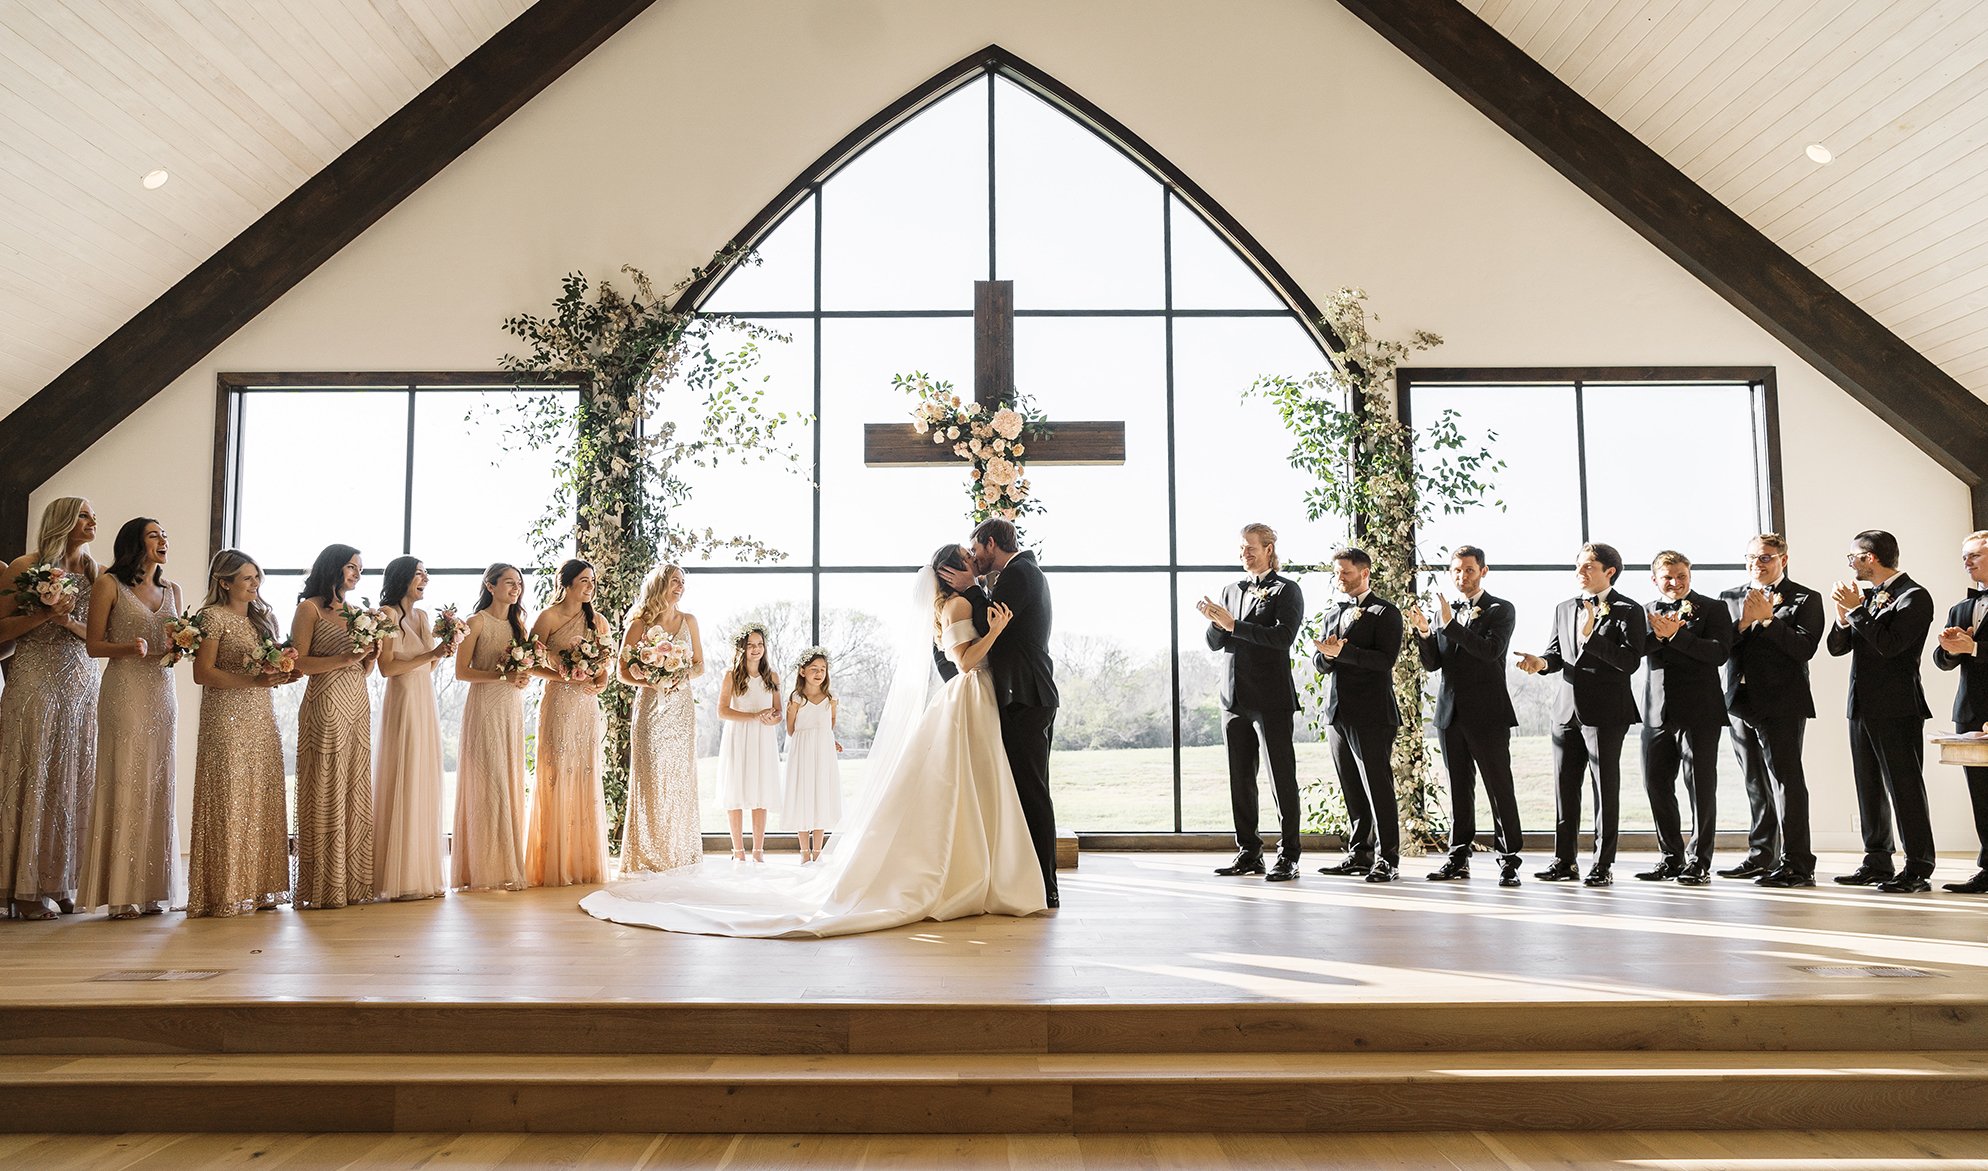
960 580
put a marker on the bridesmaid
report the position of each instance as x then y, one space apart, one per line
241 834
48 724
407 772
129 861
568 839
489 846
662 830
334 742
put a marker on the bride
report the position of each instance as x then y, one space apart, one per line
937 834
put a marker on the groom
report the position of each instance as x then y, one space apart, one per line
1024 680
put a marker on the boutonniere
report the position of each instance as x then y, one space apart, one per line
1880 600
1601 609
1262 592
1774 599
1465 612
1684 608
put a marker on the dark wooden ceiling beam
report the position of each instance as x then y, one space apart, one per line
1714 243
287 244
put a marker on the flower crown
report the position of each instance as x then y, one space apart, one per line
810 655
747 631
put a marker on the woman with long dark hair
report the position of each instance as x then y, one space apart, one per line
128 864
334 741
48 721
567 843
241 836
407 771
489 847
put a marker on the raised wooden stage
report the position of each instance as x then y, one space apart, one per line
1161 998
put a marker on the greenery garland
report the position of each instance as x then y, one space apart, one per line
619 489
1362 461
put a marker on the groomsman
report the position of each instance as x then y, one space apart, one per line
1474 715
1884 631
1596 644
1684 709
1362 641
1253 627
1960 650
1777 626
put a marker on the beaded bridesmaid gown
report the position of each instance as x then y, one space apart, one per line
334 779
241 833
489 846
48 763
129 863
407 775
568 839
662 831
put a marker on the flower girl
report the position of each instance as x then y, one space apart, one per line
748 752
813 798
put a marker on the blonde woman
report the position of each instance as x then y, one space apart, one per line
661 830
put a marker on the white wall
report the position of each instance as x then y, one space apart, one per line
1346 161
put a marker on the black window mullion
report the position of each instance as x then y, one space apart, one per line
1581 456
814 577
407 479
1173 506
993 253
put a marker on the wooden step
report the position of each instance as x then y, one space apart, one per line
1081 1093
617 1027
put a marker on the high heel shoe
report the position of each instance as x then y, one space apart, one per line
738 857
759 857
31 911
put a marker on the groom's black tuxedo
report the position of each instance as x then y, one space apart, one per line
1258 699
1025 690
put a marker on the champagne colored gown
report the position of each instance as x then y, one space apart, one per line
128 864
661 830
489 847
241 830
334 779
407 774
568 839
48 762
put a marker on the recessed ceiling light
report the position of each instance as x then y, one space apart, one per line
154 180
1819 153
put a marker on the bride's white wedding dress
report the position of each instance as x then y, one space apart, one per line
938 834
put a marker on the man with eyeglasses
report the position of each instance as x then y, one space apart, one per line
1777 625
1883 630
1959 651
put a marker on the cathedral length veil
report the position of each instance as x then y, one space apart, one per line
937 832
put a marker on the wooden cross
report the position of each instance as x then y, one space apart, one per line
899 445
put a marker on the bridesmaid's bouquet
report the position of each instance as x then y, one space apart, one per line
40 587
522 656
272 657
366 626
449 627
184 633
584 660
657 659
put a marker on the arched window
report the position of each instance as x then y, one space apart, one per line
1131 305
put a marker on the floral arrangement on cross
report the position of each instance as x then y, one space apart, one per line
992 442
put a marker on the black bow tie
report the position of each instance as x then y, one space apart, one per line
1668 607
1977 592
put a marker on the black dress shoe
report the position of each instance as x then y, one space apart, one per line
1785 879
1694 874
1560 872
1751 868
1863 876
1247 862
1450 871
1349 866
1665 870
1054 902
1599 876
1978 885
1508 874
1285 871
1383 871
1905 884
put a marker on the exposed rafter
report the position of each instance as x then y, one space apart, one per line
288 243
1711 241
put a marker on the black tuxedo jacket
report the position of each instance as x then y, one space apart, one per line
1597 692
1256 655
1767 677
1970 703
1681 684
1019 663
1884 644
1362 683
1471 656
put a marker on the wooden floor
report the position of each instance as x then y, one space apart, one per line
1144 928
1466 1151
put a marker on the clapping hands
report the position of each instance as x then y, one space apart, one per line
1955 640
1216 613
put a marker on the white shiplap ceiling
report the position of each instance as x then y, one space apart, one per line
1731 92
240 101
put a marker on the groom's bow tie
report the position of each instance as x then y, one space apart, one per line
1975 592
